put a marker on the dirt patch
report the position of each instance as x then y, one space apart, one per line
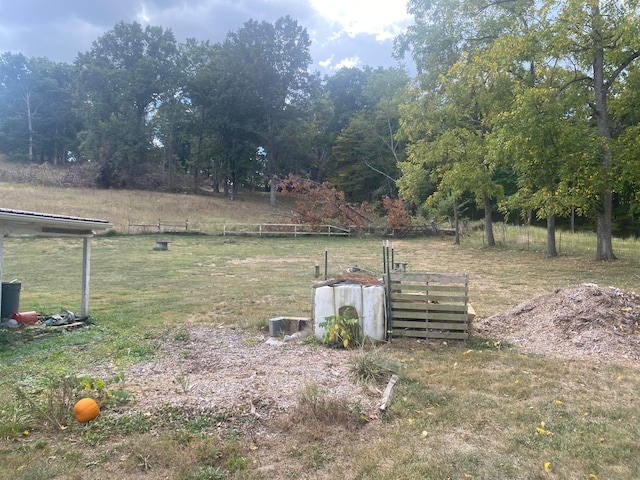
573 322
224 369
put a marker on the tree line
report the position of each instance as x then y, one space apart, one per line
525 110
240 113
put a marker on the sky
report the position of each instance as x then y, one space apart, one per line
344 33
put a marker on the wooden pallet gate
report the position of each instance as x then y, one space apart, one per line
428 305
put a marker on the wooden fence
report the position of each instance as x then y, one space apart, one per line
277 229
428 305
241 229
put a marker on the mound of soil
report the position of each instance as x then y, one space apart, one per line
572 322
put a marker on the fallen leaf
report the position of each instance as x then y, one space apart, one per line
594 476
559 402
253 447
546 466
425 433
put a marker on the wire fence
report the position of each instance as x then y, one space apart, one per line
534 238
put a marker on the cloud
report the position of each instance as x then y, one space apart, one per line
342 31
349 62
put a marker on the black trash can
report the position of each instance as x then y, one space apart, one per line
10 299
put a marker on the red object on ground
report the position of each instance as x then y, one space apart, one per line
25 317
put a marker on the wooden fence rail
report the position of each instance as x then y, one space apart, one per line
242 229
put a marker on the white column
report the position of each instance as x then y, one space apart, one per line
86 274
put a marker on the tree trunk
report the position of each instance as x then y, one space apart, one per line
551 236
273 183
604 249
30 124
456 223
488 222
604 226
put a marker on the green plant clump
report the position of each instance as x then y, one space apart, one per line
341 331
371 367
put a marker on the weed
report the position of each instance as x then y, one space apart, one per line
371 367
316 408
15 418
181 334
236 463
341 331
205 473
182 379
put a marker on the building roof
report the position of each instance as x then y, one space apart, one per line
21 222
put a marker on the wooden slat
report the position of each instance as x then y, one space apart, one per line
451 317
421 324
429 277
424 334
419 315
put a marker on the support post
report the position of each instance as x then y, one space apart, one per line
326 262
86 273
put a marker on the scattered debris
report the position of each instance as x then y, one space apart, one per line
387 397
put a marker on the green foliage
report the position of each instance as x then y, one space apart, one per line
51 403
341 331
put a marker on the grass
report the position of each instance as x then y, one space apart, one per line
462 410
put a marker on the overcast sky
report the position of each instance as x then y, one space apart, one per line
343 32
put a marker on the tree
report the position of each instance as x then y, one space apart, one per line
457 98
366 151
271 62
122 80
545 140
600 41
37 120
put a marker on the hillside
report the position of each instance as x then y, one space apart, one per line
118 206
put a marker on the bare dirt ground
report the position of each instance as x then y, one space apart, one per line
220 368
579 321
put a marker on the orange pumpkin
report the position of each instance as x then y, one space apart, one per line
86 409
